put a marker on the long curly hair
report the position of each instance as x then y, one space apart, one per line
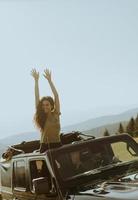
40 116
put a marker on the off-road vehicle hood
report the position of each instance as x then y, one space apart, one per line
120 187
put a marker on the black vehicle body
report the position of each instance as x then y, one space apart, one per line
99 175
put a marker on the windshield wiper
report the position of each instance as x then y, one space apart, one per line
105 168
118 164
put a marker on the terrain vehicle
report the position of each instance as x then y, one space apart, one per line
87 169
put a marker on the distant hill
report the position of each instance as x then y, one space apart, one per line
98 132
17 138
101 121
94 127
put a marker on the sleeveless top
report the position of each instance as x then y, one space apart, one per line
51 132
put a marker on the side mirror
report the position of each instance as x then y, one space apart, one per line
41 185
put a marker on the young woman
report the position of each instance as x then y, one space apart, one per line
47 116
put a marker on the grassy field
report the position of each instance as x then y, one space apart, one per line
136 140
121 151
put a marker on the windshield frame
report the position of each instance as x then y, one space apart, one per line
83 144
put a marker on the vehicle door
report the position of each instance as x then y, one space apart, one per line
19 179
37 169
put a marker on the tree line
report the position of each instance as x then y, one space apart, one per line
131 128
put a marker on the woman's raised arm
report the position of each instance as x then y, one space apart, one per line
35 75
47 75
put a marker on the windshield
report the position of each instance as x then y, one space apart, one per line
81 160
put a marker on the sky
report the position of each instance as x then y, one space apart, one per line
90 46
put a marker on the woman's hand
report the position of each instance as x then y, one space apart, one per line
35 74
47 74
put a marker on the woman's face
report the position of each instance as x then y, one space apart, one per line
46 106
